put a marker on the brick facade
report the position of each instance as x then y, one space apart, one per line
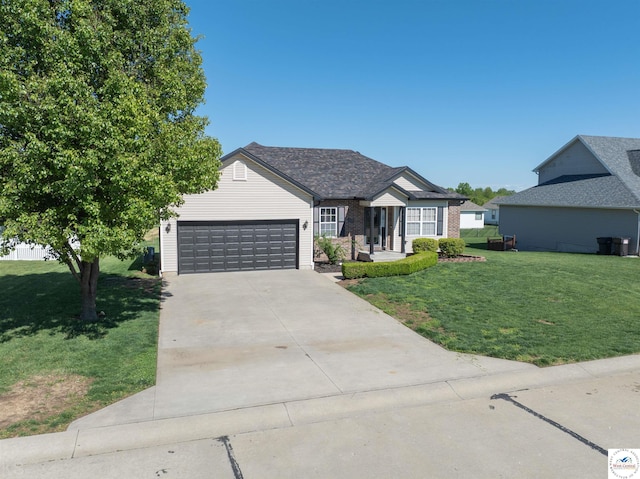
353 227
453 230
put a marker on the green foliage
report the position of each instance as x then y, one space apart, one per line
481 195
545 308
334 251
451 247
464 189
39 334
424 244
408 265
98 133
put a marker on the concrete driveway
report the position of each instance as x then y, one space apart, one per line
285 374
239 340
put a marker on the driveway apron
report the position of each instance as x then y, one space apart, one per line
235 340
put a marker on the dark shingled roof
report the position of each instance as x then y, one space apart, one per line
619 189
581 191
334 173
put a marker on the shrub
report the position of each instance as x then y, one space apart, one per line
408 265
451 246
334 251
424 244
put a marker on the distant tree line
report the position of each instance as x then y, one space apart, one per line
480 195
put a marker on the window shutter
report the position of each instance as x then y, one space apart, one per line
341 214
440 220
316 221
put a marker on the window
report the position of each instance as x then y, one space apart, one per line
478 216
422 221
329 222
239 171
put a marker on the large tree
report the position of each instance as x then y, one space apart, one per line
98 133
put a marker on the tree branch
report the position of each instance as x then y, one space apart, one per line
68 257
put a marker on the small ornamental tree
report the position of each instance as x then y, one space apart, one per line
99 138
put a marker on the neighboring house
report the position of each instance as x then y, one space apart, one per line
471 215
492 215
271 202
589 188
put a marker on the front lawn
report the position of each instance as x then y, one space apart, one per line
543 308
56 369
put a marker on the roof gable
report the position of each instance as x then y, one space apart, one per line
615 185
335 173
240 153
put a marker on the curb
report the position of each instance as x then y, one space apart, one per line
137 435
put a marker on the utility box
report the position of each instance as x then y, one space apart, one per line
604 244
621 246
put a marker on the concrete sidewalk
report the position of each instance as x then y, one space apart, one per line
285 374
412 432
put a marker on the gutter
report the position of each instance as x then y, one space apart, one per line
637 233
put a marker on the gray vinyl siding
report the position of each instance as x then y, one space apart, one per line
262 196
571 230
409 183
575 160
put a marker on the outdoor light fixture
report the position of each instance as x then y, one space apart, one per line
168 227
305 224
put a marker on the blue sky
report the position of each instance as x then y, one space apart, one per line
461 91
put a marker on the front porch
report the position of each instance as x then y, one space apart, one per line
380 256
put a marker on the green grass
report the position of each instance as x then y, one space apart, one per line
41 335
543 308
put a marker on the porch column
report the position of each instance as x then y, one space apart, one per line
403 228
371 226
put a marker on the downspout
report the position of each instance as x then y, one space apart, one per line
637 233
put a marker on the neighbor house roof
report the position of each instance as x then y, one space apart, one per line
620 188
494 203
471 206
335 173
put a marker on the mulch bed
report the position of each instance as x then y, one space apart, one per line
327 268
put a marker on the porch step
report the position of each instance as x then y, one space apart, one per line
380 256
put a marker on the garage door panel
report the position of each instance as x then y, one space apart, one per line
241 246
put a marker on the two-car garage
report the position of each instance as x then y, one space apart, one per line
217 246
254 220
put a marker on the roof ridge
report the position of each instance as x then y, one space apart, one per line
610 137
304 148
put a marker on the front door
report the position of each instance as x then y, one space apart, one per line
379 226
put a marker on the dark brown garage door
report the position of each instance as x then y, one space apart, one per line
206 247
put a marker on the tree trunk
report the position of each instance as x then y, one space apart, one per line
89 289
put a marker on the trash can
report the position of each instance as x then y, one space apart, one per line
149 255
604 244
621 246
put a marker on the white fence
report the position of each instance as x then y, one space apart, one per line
24 251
